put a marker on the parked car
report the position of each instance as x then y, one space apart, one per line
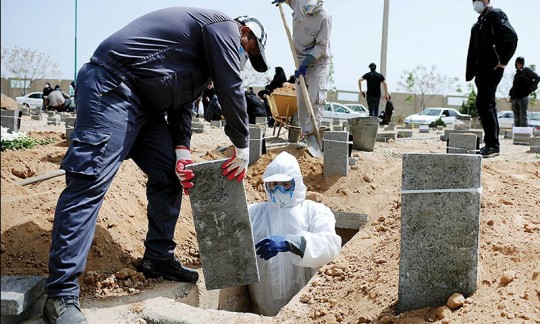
429 115
506 119
334 110
534 119
359 108
31 100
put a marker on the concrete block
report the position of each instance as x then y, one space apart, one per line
36 117
424 129
70 121
404 133
337 128
294 134
535 145
408 126
336 153
385 136
508 134
256 140
20 292
198 120
521 139
261 121
389 128
216 123
350 220
53 120
392 124
479 135
50 113
26 111
199 127
440 224
11 119
222 227
69 131
462 143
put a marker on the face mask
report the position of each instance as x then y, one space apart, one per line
478 6
312 7
243 57
281 196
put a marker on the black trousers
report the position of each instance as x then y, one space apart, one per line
373 105
486 83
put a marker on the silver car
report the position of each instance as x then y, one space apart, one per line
334 110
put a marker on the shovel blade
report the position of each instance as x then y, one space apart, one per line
314 148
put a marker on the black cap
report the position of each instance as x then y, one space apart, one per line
258 61
520 60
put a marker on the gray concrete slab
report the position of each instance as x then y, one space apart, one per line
479 134
261 121
336 153
223 228
350 220
535 145
11 119
19 293
385 136
256 136
216 123
439 228
404 133
462 143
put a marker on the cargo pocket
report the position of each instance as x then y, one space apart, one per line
86 153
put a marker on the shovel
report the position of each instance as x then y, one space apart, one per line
313 140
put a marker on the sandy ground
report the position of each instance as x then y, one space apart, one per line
359 286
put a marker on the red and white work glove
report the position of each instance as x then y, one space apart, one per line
236 166
183 158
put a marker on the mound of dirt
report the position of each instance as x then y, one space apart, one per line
359 286
7 103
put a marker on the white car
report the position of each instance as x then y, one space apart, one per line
334 110
31 100
506 119
359 108
429 115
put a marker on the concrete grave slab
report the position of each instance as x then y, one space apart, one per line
222 227
256 137
336 153
11 119
535 145
261 121
462 143
440 224
20 293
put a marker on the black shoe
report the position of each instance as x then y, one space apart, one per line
488 152
170 269
66 310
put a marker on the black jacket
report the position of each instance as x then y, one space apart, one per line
493 41
525 81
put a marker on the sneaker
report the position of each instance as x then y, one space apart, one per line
63 310
170 269
488 152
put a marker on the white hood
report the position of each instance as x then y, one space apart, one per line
286 164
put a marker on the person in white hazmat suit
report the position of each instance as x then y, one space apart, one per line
294 236
312 25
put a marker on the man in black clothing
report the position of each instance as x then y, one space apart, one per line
493 42
374 80
525 82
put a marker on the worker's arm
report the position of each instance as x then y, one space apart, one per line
360 87
385 90
322 244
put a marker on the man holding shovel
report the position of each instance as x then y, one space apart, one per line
311 36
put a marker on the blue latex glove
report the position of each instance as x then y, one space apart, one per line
271 245
308 59
301 71
277 2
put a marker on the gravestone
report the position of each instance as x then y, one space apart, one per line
440 221
11 119
336 153
462 143
222 227
256 140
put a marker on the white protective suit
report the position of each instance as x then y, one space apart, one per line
285 274
311 35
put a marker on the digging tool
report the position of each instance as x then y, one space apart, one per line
49 175
313 140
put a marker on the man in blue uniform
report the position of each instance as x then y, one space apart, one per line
134 100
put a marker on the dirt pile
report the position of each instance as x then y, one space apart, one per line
360 286
7 103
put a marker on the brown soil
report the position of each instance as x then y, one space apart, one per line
7 103
359 286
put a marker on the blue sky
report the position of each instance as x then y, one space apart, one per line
424 32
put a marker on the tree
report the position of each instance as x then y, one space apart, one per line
425 83
469 107
28 65
250 77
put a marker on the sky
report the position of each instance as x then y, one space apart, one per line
420 32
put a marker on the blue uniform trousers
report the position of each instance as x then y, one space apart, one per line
111 126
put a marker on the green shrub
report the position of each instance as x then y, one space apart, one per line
24 142
438 122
